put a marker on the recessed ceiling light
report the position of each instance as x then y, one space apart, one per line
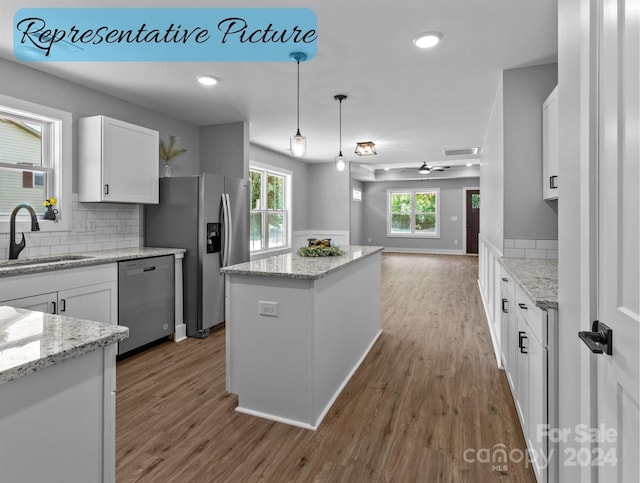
427 40
469 164
386 169
207 80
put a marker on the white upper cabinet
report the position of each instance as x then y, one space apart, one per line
550 146
118 161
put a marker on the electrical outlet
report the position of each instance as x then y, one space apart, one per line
91 225
122 225
269 309
455 242
369 240
81 225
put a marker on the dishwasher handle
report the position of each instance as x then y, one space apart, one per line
149 269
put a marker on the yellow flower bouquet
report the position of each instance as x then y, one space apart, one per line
50 213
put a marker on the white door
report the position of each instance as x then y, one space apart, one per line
618 395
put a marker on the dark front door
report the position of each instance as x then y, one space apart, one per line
473 220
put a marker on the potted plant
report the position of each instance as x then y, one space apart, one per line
168 152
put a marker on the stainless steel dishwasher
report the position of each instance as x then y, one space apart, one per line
146 300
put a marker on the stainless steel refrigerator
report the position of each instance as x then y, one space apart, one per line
208 215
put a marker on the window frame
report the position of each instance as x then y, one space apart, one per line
287 176
59 151
412 215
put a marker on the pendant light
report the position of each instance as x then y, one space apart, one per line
341 163
298 143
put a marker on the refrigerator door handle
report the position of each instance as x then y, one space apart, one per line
226 220
229 230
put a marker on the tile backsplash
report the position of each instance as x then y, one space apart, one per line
528 248
95 226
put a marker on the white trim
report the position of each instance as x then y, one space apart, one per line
412 192
288 207
62 150
494 340
338 237
464 218
427 251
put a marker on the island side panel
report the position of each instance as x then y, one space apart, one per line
51 423
347 323
270 362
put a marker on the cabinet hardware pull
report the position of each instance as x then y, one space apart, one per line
599 340
53 306
504 308
521 338
505 279
63 305
106 189
552 182
523 306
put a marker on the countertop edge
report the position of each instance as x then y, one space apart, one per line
101 257
32 367
300 276
542 304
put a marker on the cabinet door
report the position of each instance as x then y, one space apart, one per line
130 162
40 303
550 146
522 399
93 302
537 406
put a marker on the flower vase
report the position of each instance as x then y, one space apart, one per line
167 171
50 213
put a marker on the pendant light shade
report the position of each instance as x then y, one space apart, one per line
340 161
298 143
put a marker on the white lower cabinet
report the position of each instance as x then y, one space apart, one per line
84 293
529 358
75 412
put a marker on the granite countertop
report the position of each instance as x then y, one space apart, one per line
31 341
538 278
291 265
23 266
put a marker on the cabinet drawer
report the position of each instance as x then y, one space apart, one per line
535 317
507 281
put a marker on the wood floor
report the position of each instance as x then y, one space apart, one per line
428 390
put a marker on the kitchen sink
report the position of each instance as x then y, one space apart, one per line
42 260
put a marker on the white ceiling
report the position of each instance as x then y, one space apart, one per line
412 103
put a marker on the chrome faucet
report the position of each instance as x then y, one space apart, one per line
16 248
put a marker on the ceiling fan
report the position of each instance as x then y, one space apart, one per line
426 169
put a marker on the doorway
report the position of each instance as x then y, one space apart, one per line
472 211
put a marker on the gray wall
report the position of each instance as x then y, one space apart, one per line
224 149
34 86
329 196
451 204
356 224
492 176
300 173
526 214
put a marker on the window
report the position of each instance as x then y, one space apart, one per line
35 150
414 213
270 209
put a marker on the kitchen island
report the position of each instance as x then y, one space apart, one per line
298 328
57 397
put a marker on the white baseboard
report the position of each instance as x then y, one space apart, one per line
430 251
181 333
